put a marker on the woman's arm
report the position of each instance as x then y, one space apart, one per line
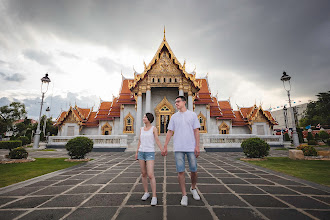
157 139
137 150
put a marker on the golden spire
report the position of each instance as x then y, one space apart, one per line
164 34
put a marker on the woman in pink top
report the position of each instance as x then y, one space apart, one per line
145 153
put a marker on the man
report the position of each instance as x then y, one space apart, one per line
185 126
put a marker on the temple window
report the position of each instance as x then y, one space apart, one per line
175 80
170 80
153 80
202 122
224 128
129 122
159 80
164 80
106 129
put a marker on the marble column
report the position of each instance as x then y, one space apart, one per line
181 93
148 99
138 113
190 101
208 119
121 121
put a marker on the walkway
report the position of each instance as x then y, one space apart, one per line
109 187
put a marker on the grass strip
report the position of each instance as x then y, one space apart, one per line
312 170
17 172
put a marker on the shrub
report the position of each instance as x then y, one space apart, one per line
310 136
323 135
287 137
255 148
308 150
10 144
25 140
312 142
78 147
316 136
18 153
327 142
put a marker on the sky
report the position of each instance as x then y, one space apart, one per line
243 46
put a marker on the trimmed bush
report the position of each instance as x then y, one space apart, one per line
327 142
18 153
255 148
312 142
308 150
10 144
316 136
300 135
287 137
78 147
323 135
310 136
25 140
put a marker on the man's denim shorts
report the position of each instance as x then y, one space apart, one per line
180 161
146 156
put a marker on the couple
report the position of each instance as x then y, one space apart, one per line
185 126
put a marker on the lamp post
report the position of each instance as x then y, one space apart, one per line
287 86
285 111
44 87
45 123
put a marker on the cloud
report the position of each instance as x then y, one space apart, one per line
15 77
39 56
69 55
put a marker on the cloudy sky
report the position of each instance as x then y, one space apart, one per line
244 46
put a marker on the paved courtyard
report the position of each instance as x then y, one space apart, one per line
109 187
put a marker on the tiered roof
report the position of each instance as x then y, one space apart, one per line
246 116
83 116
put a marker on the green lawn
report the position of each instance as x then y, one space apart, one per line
17 172
313 170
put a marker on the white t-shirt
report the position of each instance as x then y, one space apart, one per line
183 125
147 140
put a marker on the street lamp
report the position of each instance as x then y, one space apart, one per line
285 111
287 86
44 87
45 123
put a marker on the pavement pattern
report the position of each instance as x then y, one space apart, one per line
109 187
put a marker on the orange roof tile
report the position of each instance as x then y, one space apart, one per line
115 109
92 122
215 110
227 111
238 120
126 96
103 112
204 95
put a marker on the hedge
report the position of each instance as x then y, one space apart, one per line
10 144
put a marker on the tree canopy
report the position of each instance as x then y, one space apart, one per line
10 113
318 112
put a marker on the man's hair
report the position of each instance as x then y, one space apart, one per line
150 117
182 98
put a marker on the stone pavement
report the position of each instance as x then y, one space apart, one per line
109 187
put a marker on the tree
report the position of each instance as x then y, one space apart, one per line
10 113
317 112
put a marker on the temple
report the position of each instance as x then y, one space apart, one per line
154 90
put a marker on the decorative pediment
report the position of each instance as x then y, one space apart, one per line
164 105
165 62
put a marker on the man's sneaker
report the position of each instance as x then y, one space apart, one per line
184 201
195 194
145 196
153 201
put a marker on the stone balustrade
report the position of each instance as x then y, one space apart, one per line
235 140
100 141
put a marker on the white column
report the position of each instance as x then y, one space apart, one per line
181 93
121 121
138 113
148 100
190 101
208 119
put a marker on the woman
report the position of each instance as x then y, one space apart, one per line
145 153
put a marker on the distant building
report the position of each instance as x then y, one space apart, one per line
279 116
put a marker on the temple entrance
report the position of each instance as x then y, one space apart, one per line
163 111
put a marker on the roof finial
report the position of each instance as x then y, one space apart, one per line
164 33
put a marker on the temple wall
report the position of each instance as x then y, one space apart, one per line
89 131
240 130
127 109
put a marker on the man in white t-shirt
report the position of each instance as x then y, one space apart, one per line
185 126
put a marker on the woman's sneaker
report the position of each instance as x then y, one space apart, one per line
184 201
195 194
153 201
145 196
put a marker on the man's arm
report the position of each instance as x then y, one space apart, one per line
168 138
197 151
